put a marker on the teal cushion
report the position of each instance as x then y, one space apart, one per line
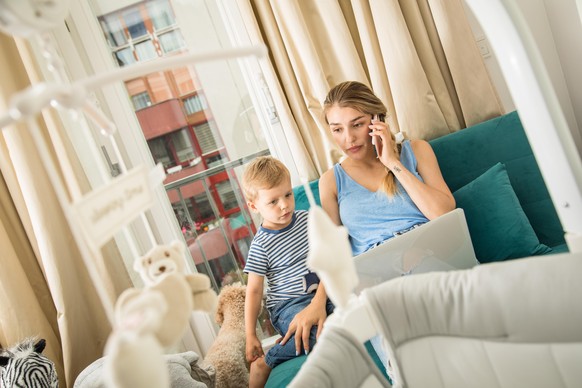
466 154
283 373
562 248
301 200
498 225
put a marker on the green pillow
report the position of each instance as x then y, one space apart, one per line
301 200
498 226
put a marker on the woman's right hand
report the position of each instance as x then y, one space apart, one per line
385 143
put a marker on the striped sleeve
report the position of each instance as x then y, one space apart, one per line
257 260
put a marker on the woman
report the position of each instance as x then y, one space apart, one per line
381 189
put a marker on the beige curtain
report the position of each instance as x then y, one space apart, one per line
419 56
45 289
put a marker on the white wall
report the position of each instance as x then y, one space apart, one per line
566 26
557 29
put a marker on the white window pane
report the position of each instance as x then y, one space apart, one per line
145 50
171 41
113 29
124 57
135 24
161 14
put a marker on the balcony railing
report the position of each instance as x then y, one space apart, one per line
220 251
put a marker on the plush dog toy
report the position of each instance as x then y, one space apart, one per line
227 352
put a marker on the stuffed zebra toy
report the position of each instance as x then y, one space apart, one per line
23 366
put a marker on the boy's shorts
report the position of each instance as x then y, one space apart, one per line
281 316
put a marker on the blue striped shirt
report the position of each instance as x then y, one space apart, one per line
281 256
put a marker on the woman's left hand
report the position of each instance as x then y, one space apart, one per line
384 142
312 315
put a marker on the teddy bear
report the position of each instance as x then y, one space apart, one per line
134 354
164 259
162 269
147 321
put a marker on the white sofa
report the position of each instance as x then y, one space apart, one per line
511 324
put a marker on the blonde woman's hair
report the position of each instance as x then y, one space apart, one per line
264 172
358 96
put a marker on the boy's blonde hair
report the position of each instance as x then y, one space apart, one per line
264 172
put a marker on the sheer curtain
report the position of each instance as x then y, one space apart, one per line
419 56
45 289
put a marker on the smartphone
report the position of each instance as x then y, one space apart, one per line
380 117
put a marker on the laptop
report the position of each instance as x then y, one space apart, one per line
442 244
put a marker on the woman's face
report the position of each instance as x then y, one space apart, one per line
350 128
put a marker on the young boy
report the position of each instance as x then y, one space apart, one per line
279 252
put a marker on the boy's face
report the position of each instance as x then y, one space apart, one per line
276 205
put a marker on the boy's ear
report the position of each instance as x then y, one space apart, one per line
251 205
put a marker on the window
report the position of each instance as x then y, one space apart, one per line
171 41
227 195
161 14
183 145
124 57
112 34
141 100
162 152
173 149
194 104
145 50
206 138
131 36
135 24
114 31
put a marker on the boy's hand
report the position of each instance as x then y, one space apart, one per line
312 315
253 349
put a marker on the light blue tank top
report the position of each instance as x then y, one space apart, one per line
372 218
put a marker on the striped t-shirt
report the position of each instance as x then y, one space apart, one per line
281 256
